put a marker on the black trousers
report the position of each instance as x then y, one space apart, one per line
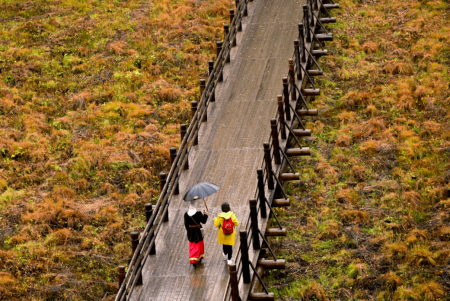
228 250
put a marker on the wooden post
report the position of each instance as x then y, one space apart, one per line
234 283
239 25
193 110
268 159
261 193
134 244
205 116
176 188
162 180
220 77
148 215
276 143
281 117
286 98
244 257
213 94
233 42
298 59
311 11
226 30
202 87
316 6
255 229
165 217
231 16
245 9
300 32
153 249
308 33
219 49
210 67
186 165
302 43
292 80
134 241
173 155
182 131
148 211
210 70
122 275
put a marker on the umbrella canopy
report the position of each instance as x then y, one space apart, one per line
200 190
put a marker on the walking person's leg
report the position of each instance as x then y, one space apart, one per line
225 252
228 250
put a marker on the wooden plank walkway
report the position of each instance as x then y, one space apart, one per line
229 152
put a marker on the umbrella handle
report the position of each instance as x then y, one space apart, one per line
205 204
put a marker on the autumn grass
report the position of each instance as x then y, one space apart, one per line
369 218
91 95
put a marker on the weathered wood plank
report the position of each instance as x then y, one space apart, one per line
228 154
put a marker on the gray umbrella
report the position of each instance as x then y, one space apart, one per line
200 191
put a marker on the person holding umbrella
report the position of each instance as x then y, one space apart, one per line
193 219
192 222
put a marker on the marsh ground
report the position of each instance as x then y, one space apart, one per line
370 217
91 97
91 93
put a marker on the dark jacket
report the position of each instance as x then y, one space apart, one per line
194 233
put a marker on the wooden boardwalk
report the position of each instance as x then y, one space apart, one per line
228 154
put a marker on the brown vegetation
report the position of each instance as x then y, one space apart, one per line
369 219
91 96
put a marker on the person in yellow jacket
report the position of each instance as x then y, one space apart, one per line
224 238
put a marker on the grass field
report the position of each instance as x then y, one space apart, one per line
370 217
91 96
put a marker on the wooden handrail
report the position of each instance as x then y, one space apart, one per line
148 237
303 81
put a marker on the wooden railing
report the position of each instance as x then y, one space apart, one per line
297 93
298 90
145 245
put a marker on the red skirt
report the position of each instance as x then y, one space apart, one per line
196 251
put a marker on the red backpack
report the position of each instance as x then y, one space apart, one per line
227 226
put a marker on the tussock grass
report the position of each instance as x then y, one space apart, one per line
91 95
371 221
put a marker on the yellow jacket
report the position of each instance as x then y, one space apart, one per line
226 239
